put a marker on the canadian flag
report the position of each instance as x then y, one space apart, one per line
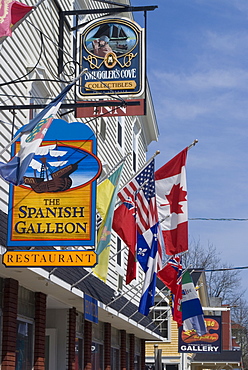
171 195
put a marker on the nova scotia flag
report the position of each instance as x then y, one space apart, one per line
148 258
32 135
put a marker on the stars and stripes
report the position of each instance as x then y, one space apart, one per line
141 191
136 214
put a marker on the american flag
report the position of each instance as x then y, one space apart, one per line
141 191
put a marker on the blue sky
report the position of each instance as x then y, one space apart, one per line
198 73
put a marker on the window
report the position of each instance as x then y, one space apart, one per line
24 335
79 353
161 318
136 131
120 131
115 348
137 362
119 262
118 257
102 128
97 356
97 346
79 342
120 283
24 345
26 302
115 358
135 145
137 354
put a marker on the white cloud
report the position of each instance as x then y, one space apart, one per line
202 80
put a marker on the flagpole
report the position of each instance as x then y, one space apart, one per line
38 3
142 168
193 144
91 272
112 169
151 309
122 294
20 133
129 300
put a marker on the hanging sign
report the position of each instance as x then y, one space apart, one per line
112 49
56 205
90 308
113 110
189 341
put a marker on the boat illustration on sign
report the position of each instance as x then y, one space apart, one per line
120 38
51 176
113 31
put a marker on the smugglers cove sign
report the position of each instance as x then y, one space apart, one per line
112 49
56 205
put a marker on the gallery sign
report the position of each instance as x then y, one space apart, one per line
56 205
112 49
190 342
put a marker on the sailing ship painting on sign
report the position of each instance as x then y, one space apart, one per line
57 168
120 38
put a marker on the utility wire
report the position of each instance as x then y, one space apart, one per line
217 219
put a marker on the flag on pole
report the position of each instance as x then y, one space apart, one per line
32 136
139 205
192 313
171 195
150 240
175 304
11 13
127 232
170 273
106 198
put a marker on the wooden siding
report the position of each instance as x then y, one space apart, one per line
170 348
24 52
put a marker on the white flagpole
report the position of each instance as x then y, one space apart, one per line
193 144
112 169
122 294
161 291
91 272
141 169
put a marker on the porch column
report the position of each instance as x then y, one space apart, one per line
10 302
72 338
40 331
123 349
131 351
107 346
87 344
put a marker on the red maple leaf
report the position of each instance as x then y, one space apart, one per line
177 194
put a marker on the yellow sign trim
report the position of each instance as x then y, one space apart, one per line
53 258
113 85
